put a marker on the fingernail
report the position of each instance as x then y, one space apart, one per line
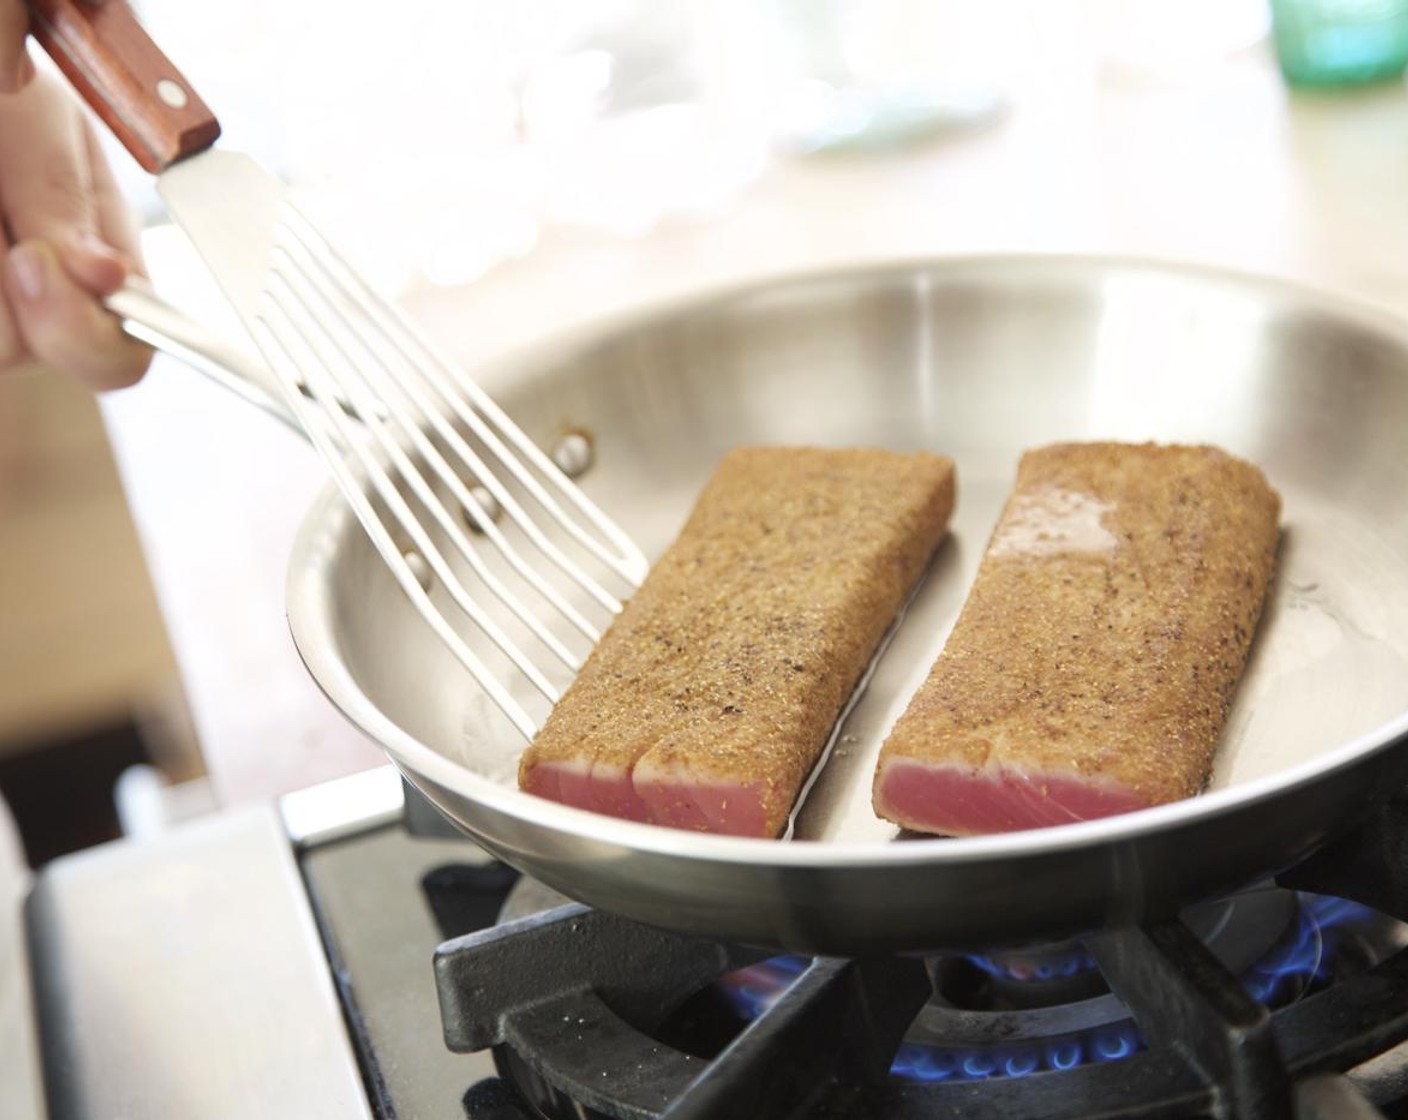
28 267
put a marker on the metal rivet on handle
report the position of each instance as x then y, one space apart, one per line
172 94
488 507
419 568
573 454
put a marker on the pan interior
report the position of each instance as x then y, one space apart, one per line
979 360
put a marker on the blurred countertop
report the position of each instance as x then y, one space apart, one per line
1218 164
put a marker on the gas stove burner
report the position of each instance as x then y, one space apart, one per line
1279 1001
1011 1013
928 1063
1037 965
1275 1003
1238 1009
1239 930
1036 976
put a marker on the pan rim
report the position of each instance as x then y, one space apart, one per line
1359 310
310 621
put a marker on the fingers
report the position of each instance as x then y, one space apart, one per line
55 182
15 67
46 183
74 241
101 263
61 324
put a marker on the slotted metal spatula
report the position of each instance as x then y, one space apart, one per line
432 467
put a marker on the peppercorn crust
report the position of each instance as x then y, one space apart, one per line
726 672
1102 641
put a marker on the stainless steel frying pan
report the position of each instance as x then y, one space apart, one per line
980 359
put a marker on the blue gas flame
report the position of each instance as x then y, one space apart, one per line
1303 958
1071 961
754 989
1295 964
923 1062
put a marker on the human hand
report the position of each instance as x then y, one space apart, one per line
68 235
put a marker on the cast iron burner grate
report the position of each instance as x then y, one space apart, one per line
581 1005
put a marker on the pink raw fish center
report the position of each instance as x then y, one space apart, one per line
602 789
957 801
730 808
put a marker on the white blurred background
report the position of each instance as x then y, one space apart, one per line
454 135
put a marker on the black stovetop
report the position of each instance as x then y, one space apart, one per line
1287 1000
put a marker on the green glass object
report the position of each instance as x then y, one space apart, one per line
1340 42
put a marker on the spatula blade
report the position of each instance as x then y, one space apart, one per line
230 207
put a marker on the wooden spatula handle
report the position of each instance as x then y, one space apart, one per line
122 74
